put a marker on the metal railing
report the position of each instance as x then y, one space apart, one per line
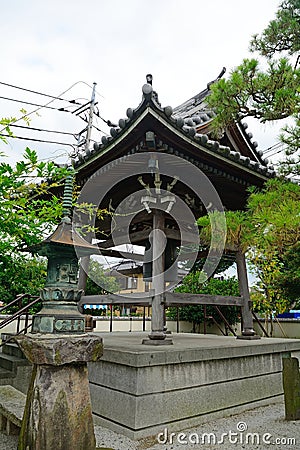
22 311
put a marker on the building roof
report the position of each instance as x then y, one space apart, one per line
196 105
133 267
190 122
128 265
231 164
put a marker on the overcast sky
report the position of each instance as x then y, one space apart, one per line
48 46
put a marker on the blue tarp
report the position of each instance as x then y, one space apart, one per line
292 314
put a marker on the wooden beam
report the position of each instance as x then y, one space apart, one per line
171 298
179 298
185 237
122 255
140 256
114 299
139 236
135 237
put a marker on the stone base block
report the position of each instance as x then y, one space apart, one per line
139 390
246 337
157 342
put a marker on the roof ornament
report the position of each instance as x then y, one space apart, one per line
149 78
218 78
148 91
156 195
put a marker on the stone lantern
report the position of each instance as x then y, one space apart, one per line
60 294
58 412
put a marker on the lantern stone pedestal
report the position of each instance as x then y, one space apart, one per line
58 414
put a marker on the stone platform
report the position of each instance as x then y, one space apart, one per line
139 390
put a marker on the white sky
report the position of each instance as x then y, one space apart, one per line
49 45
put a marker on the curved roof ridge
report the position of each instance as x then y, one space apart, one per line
197 100
189 126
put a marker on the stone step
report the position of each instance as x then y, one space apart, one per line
5 375
6 337
12 404
13 350
10 362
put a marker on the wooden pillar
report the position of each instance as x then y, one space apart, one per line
111 318
83 272
84 267
247 331
157 335
144 318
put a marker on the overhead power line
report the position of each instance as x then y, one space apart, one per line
47 107
46 104
42 129
77 111
36 140
276 153
273 147
80 110
32 104
39 93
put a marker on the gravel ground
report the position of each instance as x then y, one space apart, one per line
267 423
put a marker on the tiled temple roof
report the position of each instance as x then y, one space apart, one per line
187 118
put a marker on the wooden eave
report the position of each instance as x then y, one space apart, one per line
150 120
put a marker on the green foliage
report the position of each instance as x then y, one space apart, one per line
193 283
270 94
269 270
100 282
291 138
18 275
224 264
239 229
26 216
269 231
250 92
282 34
5 122
274 212
27 213
289 279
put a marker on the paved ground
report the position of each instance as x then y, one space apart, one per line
264 428
260 428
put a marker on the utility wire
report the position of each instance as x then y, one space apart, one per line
94 126
40 107
36 140
39 93
42 129
29 103
87 84
273 147
275 153
53 98
108 122
44 106
97 121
